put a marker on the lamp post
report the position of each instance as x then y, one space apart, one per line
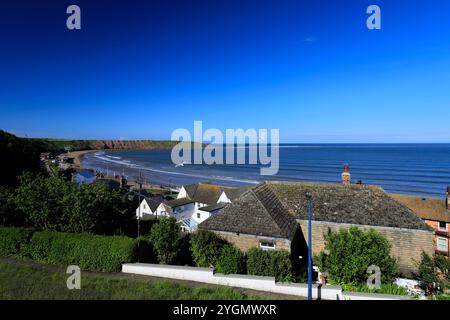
308 197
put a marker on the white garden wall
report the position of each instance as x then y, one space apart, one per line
268 284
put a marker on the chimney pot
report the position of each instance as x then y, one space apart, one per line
345 176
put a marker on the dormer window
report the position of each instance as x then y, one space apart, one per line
442 226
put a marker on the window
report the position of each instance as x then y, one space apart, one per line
198 215
267 245
442 244
442 226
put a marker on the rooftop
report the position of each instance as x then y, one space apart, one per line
178 202
257 212
210 193
353 204
426 208
272 208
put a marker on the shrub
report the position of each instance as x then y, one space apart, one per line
89 252
13 240
434 270
9 215
206 247
351 252
54 204
165 237
145 251
230 261
270 263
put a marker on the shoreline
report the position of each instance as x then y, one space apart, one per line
78 157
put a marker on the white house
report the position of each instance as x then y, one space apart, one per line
194 204
148 207
208 200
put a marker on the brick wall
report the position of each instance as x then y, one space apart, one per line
440 234
407 244
245 241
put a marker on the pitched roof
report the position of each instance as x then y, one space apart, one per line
234 193
426 208
271 209
178 202
203 192
210 193
257 212
154 202
353 204
213 207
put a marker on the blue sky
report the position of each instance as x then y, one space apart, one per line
140 69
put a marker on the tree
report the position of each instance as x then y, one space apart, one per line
206 247
9 216
165 237
434 271
230 261
54 204
350 252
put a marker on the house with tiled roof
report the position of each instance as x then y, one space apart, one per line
194 204
273 215
436 213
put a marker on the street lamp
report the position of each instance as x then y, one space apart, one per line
308 197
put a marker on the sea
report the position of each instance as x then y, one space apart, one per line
415 169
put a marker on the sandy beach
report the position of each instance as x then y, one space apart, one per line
78 158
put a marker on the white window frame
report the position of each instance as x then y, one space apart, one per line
437 244
443 229
264 247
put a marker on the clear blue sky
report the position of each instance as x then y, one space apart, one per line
140 69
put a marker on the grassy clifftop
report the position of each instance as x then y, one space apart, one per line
75 145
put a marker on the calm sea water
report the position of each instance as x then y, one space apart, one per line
418 169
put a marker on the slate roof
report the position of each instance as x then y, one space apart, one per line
154 202
256 212
353 204
426 208
178 202
272 208
213 207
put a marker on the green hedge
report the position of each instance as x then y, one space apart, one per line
13 240
230 261
270 263
89 252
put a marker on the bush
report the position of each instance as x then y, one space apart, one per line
351 252
145 251
230 261
54 204
165 237
89 252
270 263
206 247
13 240
434 270
9 215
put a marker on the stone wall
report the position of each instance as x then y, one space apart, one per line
407 244
245 241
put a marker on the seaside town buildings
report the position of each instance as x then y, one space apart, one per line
436 213
273 215
194 204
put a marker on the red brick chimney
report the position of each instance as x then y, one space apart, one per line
345 176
